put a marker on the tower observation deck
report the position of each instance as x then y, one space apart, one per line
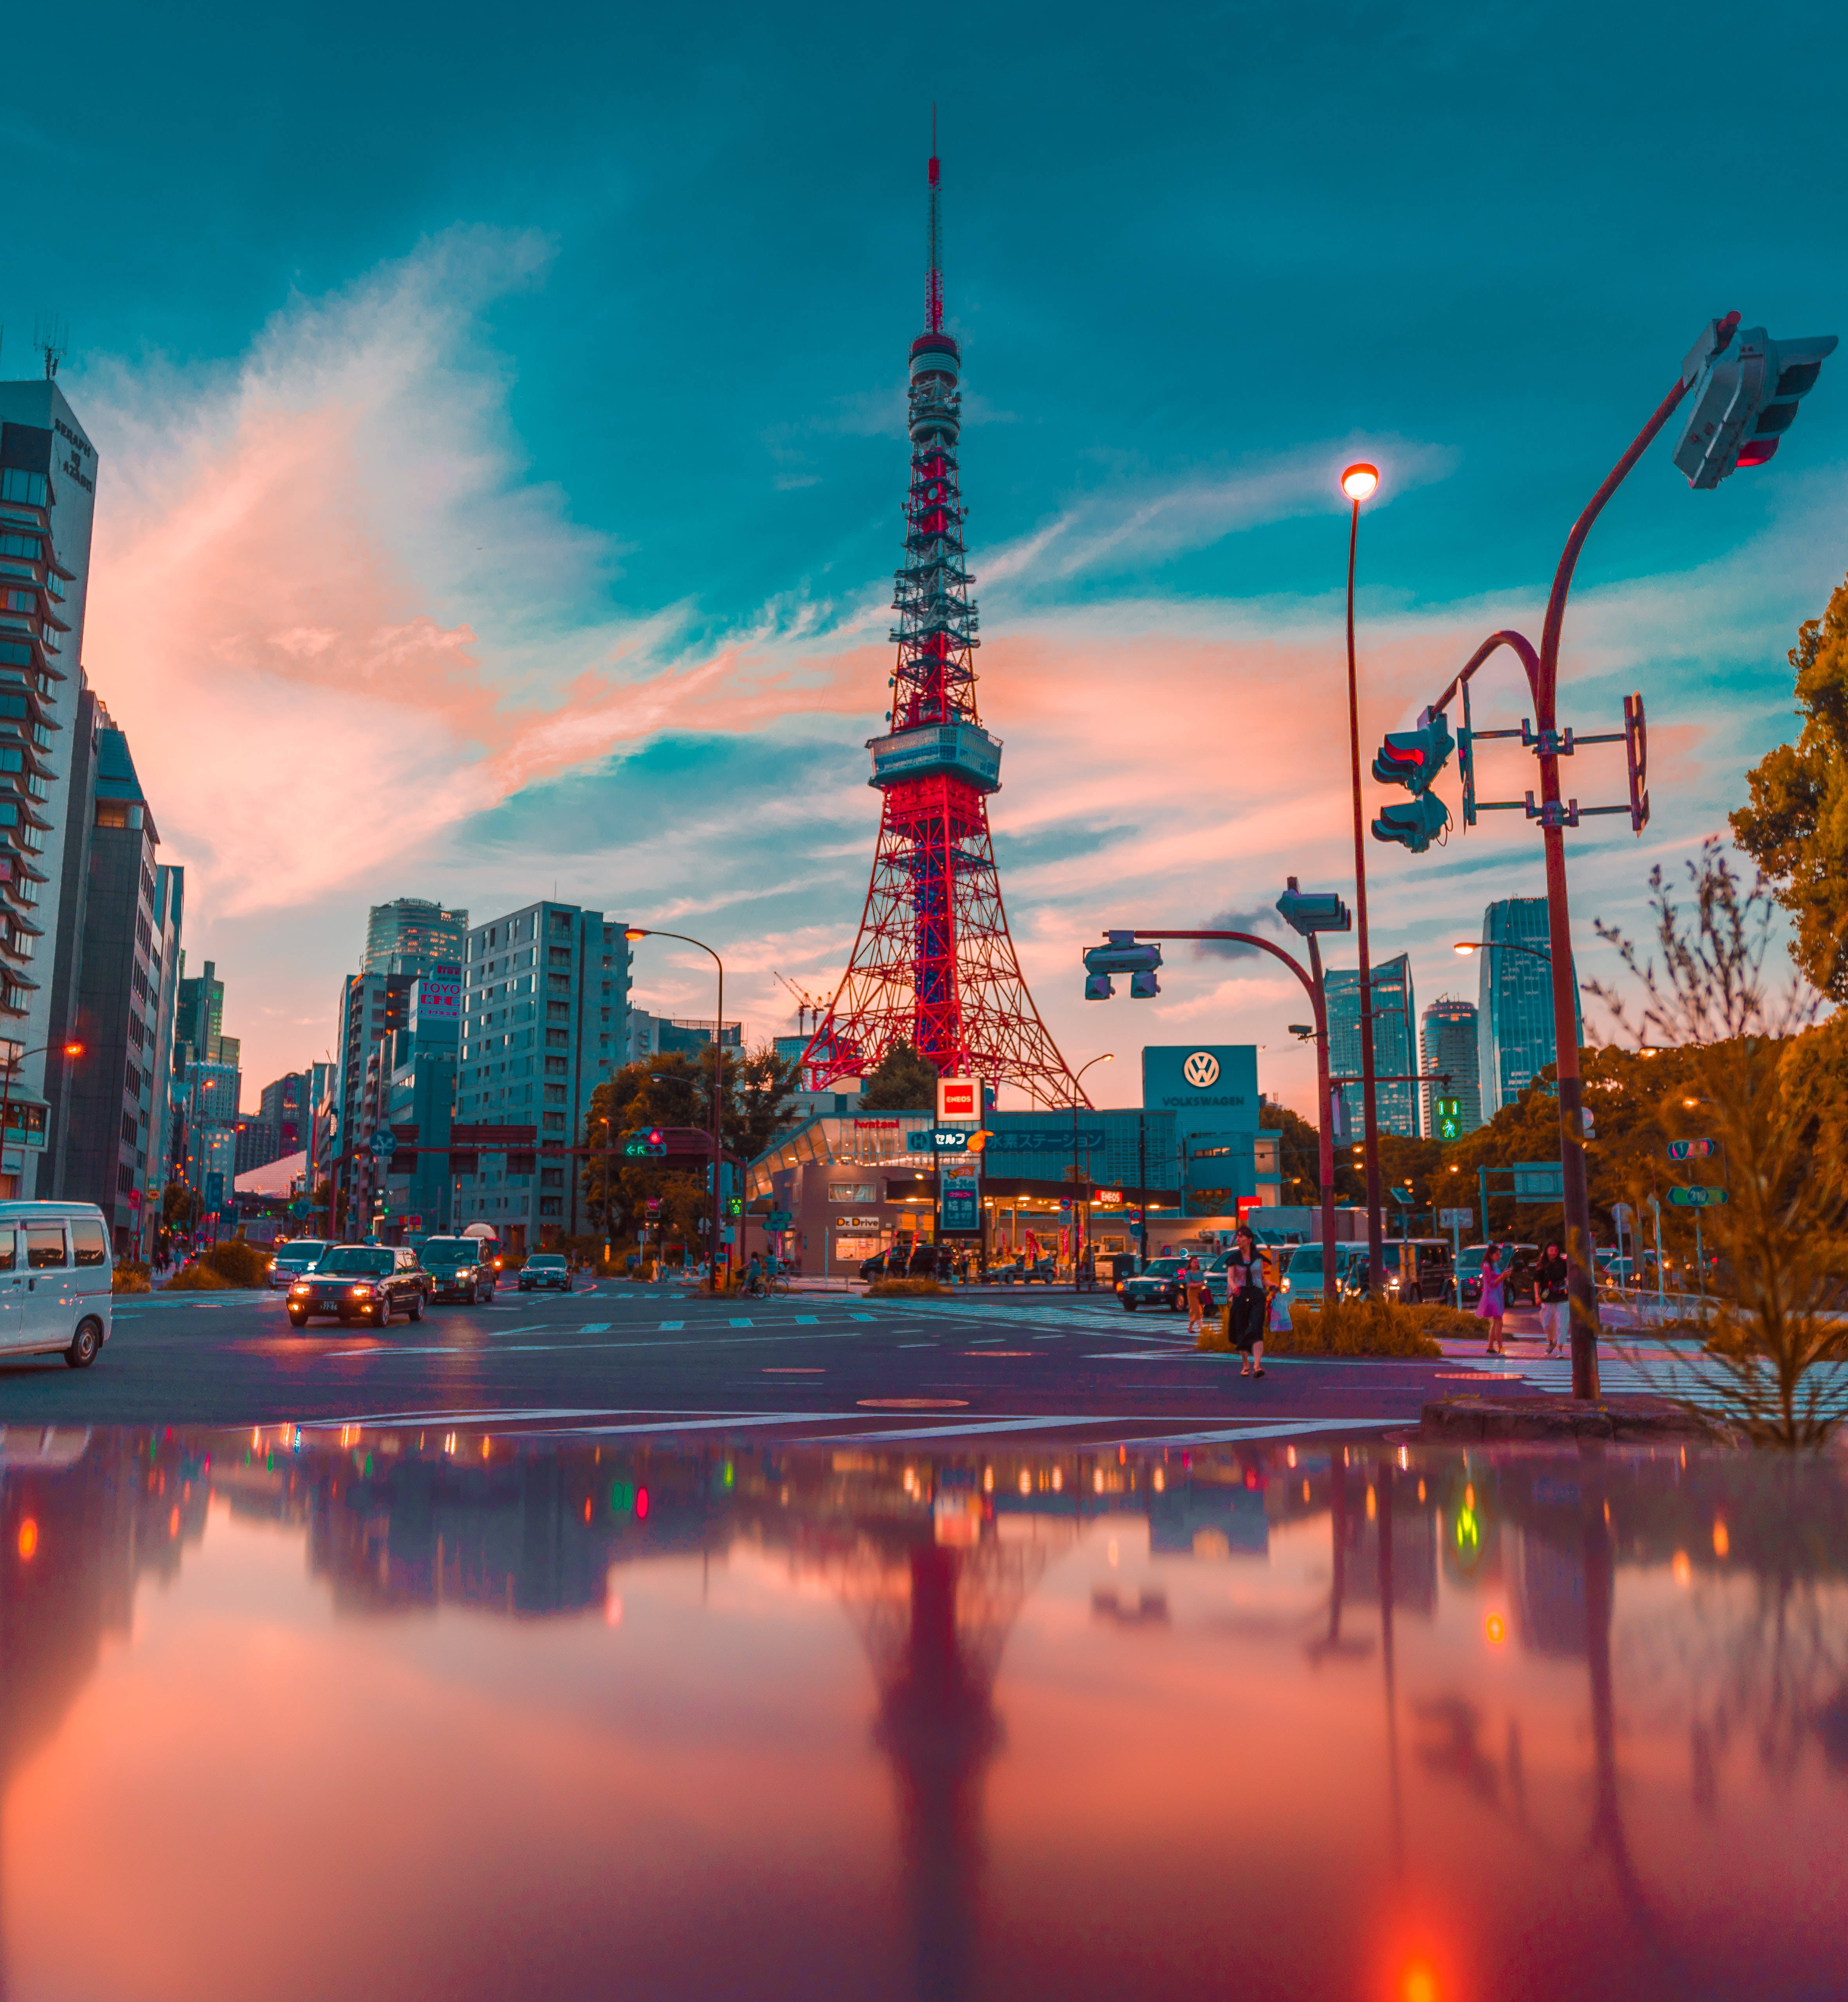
933 965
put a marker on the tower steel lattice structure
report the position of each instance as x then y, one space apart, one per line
934 963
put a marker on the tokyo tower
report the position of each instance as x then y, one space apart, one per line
934 965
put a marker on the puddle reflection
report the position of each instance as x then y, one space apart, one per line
413 1714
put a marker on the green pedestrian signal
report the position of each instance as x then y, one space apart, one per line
1448 1115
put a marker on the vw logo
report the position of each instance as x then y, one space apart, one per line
1201 1069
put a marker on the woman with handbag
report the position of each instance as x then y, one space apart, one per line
1245 1300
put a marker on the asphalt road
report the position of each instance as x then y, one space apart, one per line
629 1359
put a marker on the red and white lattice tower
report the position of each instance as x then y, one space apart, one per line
934 965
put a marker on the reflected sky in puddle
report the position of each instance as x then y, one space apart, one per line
366 1713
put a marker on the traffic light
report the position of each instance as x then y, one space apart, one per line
1307 911
645 1143
1447 1112
1415 823
1746 389
1121 955
1413 757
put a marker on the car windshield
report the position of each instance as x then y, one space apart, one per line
1162 1269
449 1251
546 1262
302 1247
363 1262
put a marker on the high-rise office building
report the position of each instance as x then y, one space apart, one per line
115 1126
373 1006
200 1026
282 1107
415 933
413 1087
1514 1040
546 1009
1450 1043
47 492
1395 1046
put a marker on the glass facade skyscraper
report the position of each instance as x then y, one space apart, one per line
1450 1044
1395 1047
1515 1001
416 933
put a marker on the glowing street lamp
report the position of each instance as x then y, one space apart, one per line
1358 483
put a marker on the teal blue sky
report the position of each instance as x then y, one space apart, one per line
501 426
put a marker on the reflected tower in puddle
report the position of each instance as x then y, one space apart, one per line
934 1600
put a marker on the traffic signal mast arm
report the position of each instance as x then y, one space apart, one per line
1125 943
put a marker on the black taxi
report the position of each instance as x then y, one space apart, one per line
367 1283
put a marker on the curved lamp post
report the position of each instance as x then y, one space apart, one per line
645 931
10 1066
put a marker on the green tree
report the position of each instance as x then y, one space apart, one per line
901 1081
1774 1351
176 1205
676 1090
1796 827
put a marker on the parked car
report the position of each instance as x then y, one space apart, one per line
904 1260
1519 1287
1162 1283
56 1275
361 1282
547 1269
1019 1272
457 1270
292 1259
1302 1271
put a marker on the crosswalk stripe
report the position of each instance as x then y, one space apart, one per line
596 1327
667 1324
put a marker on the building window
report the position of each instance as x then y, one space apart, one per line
558 1039
558 1011
551 1178
555 1122
556 1066
551 1205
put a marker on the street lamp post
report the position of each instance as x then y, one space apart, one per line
1109 1056
9 1069
1358 483
642 932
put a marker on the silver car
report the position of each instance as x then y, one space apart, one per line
293 1260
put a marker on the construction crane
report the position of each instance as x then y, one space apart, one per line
807 1006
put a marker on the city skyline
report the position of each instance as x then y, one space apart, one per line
379 484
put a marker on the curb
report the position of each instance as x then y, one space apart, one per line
1554 1417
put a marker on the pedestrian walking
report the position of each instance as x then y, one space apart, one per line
1245 1300
1193 1281
1551 1281
1489 1306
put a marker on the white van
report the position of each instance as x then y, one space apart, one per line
56 1277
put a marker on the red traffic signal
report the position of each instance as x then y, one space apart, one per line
1746 388
1413 757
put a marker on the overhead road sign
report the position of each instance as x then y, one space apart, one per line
1696 1197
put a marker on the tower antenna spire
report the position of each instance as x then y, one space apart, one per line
933 280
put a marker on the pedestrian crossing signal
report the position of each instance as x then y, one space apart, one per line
1447 1112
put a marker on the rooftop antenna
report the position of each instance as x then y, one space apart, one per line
933 282
51 342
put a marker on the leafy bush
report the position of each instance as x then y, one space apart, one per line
1355 1327
129 1277
237 1264
197 1279
886 1289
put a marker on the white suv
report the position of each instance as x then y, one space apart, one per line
56 1276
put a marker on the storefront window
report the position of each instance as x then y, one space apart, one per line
853 1192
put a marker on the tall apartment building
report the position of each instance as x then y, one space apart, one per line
125 967
373 1006
1515 1040
208 1093
48 472
414 1090
201 1023
1395 1046
416 932
544 1020
1449 1041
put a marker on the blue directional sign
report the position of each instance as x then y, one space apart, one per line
947 1140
